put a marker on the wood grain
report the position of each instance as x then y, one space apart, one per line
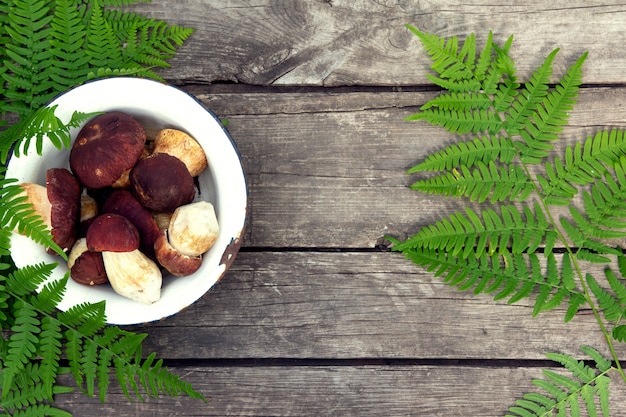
329 170
365 42
399 390
360 305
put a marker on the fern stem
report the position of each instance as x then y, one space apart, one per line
579 273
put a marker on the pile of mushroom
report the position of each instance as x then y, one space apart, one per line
103 211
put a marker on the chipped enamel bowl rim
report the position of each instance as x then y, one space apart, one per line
223 184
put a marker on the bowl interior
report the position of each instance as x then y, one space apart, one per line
156 106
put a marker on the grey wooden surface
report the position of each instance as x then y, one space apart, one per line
316 317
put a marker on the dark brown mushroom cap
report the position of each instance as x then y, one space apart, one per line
124 203
162 183
63 191
176 263
88 269
105 147
112 233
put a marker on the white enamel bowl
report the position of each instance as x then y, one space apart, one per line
156 106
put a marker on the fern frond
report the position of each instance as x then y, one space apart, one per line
28 390
565 393
582 233
50 353
505 275
86 318
484 149
22 344
447 60
498 183
16 214
24 281
455 101
460 234
534 92
40 125
28 53
462 122
41 410
612 301
67 40
605 204
582 165
101 37
544 125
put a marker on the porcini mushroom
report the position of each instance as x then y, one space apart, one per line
179 144
173 261
58 204
105 148
131 273
193 228
86 267
124 203
161 182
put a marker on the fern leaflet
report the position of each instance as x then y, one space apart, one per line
498 183
565 393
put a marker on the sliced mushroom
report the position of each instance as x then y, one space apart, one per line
131 273
193 228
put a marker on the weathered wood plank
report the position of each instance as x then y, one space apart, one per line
328 170
359 305
365 42
338 391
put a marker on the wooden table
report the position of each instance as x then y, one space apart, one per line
317 317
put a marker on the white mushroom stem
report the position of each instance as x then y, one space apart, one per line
193 228
37 195
133 275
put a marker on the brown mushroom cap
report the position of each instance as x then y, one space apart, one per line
112 233
86 267
124 203
64 193
176 263
161 182
105 147
179 144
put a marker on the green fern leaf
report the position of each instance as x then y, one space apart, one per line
67 40
24 281
459 233
28 51
22 344
86 318
89 365
535 90
50 295
41 410
605 204
462 122
546 122
564 392
485 149
454 101
498 183
16 215
447 60
584 164
101 37
50 354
